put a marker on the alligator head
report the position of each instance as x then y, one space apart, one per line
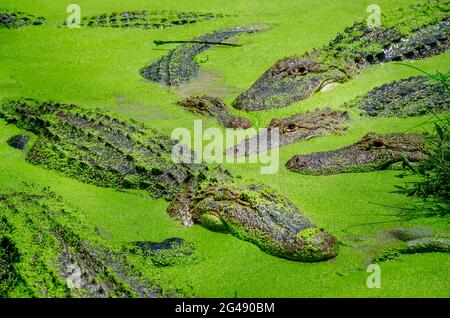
301 126
254 213
216 108
288 81
372 152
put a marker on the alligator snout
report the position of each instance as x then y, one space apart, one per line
313 245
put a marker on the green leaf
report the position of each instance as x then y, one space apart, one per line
440 131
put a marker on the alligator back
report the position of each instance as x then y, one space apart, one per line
95 147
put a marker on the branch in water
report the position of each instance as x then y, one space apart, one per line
160 42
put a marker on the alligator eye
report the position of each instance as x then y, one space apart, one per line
291 127
378 143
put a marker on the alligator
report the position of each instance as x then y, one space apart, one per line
214 107
147 19
301 126
179 64
422 245
417 32
372 152
418 239
18 19
99 148
46 251
414 96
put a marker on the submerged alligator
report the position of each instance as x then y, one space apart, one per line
415 96
171 251
179 64
18 19
45 251
147 19
414 240
372 152
301 126
95 147
417 32
214 107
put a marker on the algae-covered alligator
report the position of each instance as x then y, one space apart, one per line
214 107
99 148
414 240
372 152
147 19
179 64
417 32
255 213
414 96
46 251
18 19
301 126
